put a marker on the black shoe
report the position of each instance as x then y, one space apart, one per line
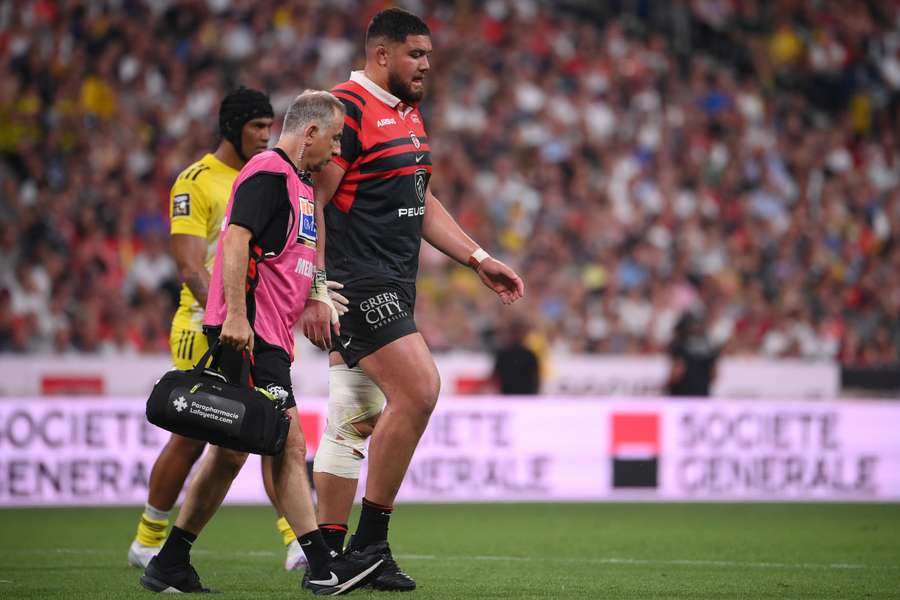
346 573
181 578
391 578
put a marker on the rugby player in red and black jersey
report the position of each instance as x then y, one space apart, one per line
381 206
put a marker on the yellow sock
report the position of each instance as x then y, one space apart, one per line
151 532
287 534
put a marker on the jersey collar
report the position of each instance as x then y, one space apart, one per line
214 159
379 92
303 175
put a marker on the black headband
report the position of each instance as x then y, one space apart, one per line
239 107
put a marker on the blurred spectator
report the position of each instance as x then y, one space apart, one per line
29 289
7 321
516 368
693 358
150 270
632 160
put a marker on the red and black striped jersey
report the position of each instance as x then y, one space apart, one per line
374 221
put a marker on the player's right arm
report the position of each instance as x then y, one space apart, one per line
329 185
190 213
316 320
329 178
326 181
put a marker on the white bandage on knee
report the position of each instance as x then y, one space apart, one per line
352 398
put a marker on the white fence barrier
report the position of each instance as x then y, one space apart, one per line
566 375
71 451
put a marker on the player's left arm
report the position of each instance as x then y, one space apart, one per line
443 232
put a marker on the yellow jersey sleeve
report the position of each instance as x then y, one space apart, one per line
189 208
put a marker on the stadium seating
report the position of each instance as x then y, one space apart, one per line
633 161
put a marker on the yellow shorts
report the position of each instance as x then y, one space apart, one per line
187 347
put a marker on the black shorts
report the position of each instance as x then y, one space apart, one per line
271 368
379 312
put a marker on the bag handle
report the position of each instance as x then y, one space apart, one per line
215 352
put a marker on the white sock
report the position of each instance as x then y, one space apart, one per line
155 513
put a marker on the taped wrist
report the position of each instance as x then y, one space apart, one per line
319 289
477 257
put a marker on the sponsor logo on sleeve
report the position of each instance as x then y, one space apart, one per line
181 205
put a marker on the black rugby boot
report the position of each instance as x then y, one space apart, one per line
345 573
177 579
391 578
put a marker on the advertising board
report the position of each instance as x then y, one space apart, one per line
94 451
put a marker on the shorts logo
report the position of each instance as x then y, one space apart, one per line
179 403
278 392
382 309
415 140
181 205
635 450
420 178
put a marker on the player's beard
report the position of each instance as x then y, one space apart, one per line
402 89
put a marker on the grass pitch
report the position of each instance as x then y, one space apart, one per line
602 551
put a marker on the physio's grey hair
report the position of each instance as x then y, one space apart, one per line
312 106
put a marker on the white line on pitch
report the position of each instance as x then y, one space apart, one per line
641 561
584 560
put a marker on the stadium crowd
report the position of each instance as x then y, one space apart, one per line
632 161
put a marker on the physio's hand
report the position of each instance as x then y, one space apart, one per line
237 333
339 302
505 282
316 321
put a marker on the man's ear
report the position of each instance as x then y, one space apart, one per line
381 55
310 133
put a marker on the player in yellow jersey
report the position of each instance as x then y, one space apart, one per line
199 198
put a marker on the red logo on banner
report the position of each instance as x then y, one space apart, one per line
311 424
72 385
631 431
635 450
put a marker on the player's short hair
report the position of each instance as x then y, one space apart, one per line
395 24
312 106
